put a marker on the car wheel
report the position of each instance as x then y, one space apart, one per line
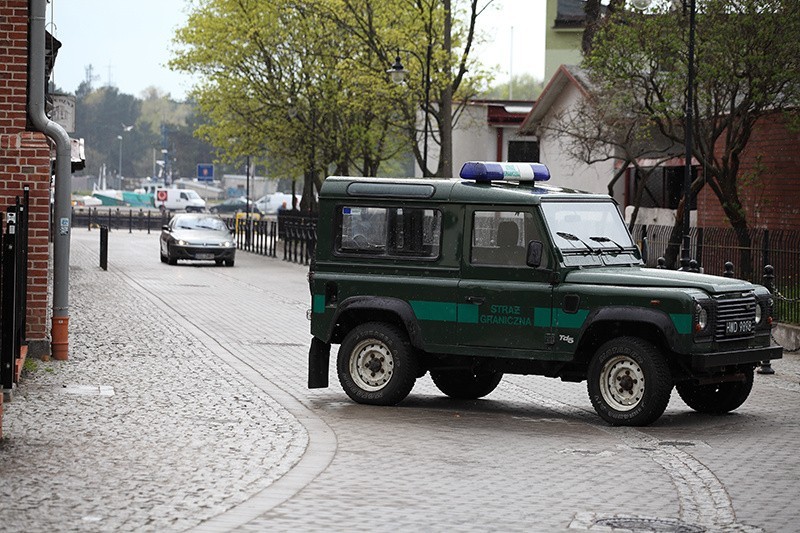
163 257
466 384
171 260
218 262
717 398
377 364
229 262
629 382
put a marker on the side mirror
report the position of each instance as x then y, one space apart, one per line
534 254
165 227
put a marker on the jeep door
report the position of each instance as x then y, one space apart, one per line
504 304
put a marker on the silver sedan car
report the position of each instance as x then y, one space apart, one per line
197 236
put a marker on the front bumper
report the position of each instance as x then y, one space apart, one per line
203 253
706 361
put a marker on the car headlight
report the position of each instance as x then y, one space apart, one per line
181 242
227 244
759 313
701 317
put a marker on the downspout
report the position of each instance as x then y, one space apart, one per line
36 113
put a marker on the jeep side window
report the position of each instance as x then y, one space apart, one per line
395 231
500 238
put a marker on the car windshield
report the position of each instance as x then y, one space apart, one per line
586 226
201 223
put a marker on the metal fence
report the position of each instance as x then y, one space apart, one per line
291 234
712 248
13 289
294 234
115 218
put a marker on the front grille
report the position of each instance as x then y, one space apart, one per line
735 316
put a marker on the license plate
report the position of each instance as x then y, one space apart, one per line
204 256
738 327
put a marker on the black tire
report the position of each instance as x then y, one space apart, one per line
377 364
163 257
218 262
466 384
171 260
717 398
629 382
229 262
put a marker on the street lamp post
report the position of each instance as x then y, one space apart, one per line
398 74
688 117
688 125
119 168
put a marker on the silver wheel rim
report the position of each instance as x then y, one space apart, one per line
622 383
371 365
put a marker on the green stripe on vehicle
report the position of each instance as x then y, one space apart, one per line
570 320
683 322
542 317
468 313
318 303
442 311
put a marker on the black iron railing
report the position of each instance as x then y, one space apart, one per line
13 289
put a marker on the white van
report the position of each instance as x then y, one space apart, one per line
272 203
178 200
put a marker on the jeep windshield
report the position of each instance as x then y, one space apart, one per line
590 228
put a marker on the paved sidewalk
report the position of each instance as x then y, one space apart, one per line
183 406
144 427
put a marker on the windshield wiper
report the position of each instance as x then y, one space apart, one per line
572 238
606 239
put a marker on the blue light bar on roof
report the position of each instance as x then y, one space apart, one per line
492 171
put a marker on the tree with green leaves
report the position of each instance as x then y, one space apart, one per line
280 79
747 64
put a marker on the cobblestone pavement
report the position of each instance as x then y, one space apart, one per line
184 407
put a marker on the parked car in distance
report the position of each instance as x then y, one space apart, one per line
197 236
271 203
235 205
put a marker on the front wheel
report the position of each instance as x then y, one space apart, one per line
466 384
377 364
629 382
717 398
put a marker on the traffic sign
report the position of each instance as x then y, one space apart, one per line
205 172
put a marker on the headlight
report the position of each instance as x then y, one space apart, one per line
227 244
759 313
181 242
701 317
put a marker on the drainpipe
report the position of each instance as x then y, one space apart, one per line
36 113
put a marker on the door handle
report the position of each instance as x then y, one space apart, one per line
477 300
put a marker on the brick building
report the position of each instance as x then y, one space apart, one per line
769 179
24 160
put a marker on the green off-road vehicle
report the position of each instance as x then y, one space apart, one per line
496 273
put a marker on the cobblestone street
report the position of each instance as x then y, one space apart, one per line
183 406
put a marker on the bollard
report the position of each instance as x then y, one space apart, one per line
694 266
104 247
661 263
769 283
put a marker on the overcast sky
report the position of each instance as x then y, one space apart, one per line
128 43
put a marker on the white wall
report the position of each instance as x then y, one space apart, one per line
566 171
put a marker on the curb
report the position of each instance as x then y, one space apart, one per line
788 336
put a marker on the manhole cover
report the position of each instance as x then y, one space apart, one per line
657 525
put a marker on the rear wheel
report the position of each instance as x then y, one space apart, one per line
629 382
717 398
377 364
466 384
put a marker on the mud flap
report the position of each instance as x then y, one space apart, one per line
319 355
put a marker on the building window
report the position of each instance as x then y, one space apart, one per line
523 151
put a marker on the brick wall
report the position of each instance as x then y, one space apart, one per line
769 179
24 160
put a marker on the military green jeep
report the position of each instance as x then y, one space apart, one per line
497 273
